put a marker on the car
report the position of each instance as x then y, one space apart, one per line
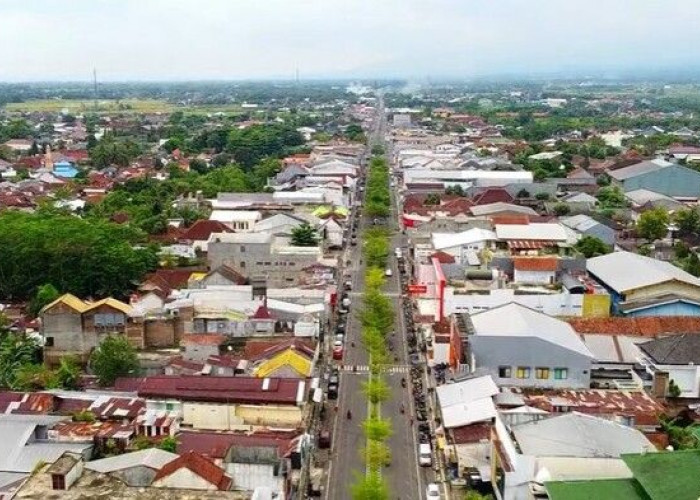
340 328
388 272
338 353
343 310
425 455
432 492
338 343
340 337
334 380
332 391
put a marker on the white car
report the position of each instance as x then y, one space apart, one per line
337 343
432 492
388 272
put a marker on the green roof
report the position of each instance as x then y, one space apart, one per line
599 489
673 475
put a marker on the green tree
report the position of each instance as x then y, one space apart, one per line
611 197
16 353
168 443
673 390
304 235
590 246
68 373
377 428
378 150
455 190
45 295
141 442
377 454
199 166
371 486
475 495
114 358
34 377
523 193
688 221
376 390
432 199
561 209
653 224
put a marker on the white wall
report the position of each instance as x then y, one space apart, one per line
534 277
687 378
185 479
558 304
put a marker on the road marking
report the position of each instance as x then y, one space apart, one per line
365 369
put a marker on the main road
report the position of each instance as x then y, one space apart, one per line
405 478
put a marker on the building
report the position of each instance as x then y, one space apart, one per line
137 469
642 286
73 327
659 176
654 476
192 471
198 234
674 359
586 225
519 346
467 401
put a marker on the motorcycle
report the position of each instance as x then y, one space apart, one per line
403 383
349 415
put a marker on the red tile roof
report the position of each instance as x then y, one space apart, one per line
203 467
254 348
296 344
215 445
535 263
493 195
510 219
242 390
262 313
118 408
202 229
651 326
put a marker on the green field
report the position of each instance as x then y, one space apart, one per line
78 106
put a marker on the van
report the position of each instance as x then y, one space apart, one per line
425 455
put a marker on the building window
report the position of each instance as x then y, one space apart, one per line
504 372
561 373
523 372
109 319
242 265
542 373
242 248
48 342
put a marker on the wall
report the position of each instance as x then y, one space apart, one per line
534 277
160 332
687 378
492 352
596 305
557 304
669 287
222 417
65 326
247 477
185 479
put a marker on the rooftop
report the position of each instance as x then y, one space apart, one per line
667 475
627 489
623 271
674 350
199 465
641 168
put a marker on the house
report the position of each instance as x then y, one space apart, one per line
467 401
586 225
458 245
674 359
568 447
642 286
519 346
289 359
535 270
236 220
224 403
654 476
660 176
192 471
221 276
198 234
73 327
138 468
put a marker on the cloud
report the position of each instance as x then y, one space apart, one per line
233 39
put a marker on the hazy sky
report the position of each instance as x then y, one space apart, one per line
234 39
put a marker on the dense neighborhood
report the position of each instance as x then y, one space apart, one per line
350 291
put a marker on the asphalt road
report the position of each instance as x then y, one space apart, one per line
406 479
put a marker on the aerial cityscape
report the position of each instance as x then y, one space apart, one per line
419 250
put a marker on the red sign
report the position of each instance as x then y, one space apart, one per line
417 289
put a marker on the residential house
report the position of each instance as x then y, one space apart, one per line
642 286
192 471
535 270
137 468
586 225
673 360
199 233
73 327
519 346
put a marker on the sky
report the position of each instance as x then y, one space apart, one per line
47 40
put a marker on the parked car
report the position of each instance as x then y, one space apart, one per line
332 391
388 272
425 455
338 353
432 492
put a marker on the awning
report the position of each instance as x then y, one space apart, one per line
529 244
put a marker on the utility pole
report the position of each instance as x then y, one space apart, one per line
94 81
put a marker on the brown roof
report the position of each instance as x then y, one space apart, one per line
443 257
215 445
203 467
472 433
493 195
510 219
651 326
254 348
230 274
535 263
202 229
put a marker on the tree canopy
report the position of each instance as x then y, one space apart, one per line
304 236
590 246
653 224
89 258
114 358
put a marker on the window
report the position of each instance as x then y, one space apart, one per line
542 373
242 264
523 372
561 373
504 372
58 482
109 319
242 248
48 342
